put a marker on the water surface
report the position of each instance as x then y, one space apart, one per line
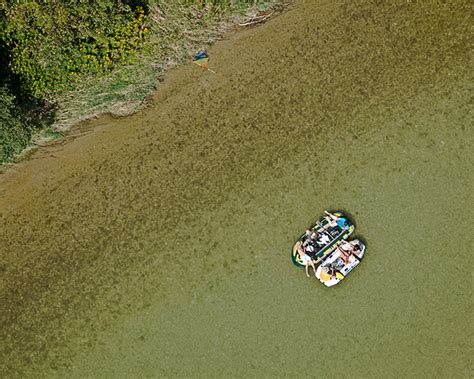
159 244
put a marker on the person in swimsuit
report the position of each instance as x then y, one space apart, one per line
348 249
334 221
328 273
321 238
308 244
312 235
308 248
307 260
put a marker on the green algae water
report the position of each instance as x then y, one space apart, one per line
158 245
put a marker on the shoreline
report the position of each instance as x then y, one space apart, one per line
70 114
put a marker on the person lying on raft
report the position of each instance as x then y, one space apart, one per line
307 245
348 249
321 238
330 272
307 260
333 221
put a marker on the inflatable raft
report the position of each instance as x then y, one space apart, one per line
334 268
326 235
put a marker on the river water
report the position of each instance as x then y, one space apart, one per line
159 244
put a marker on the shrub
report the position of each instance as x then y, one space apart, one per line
14 130
51 43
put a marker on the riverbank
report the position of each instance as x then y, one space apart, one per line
174 33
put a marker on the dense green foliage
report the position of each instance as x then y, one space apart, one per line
14 129
48 43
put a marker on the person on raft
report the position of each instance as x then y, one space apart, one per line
307 260
321 239
348 249
334 220
330 272
311 234
307 246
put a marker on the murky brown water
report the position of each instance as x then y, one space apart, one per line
158 244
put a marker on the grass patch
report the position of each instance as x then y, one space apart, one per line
176 31
51 133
